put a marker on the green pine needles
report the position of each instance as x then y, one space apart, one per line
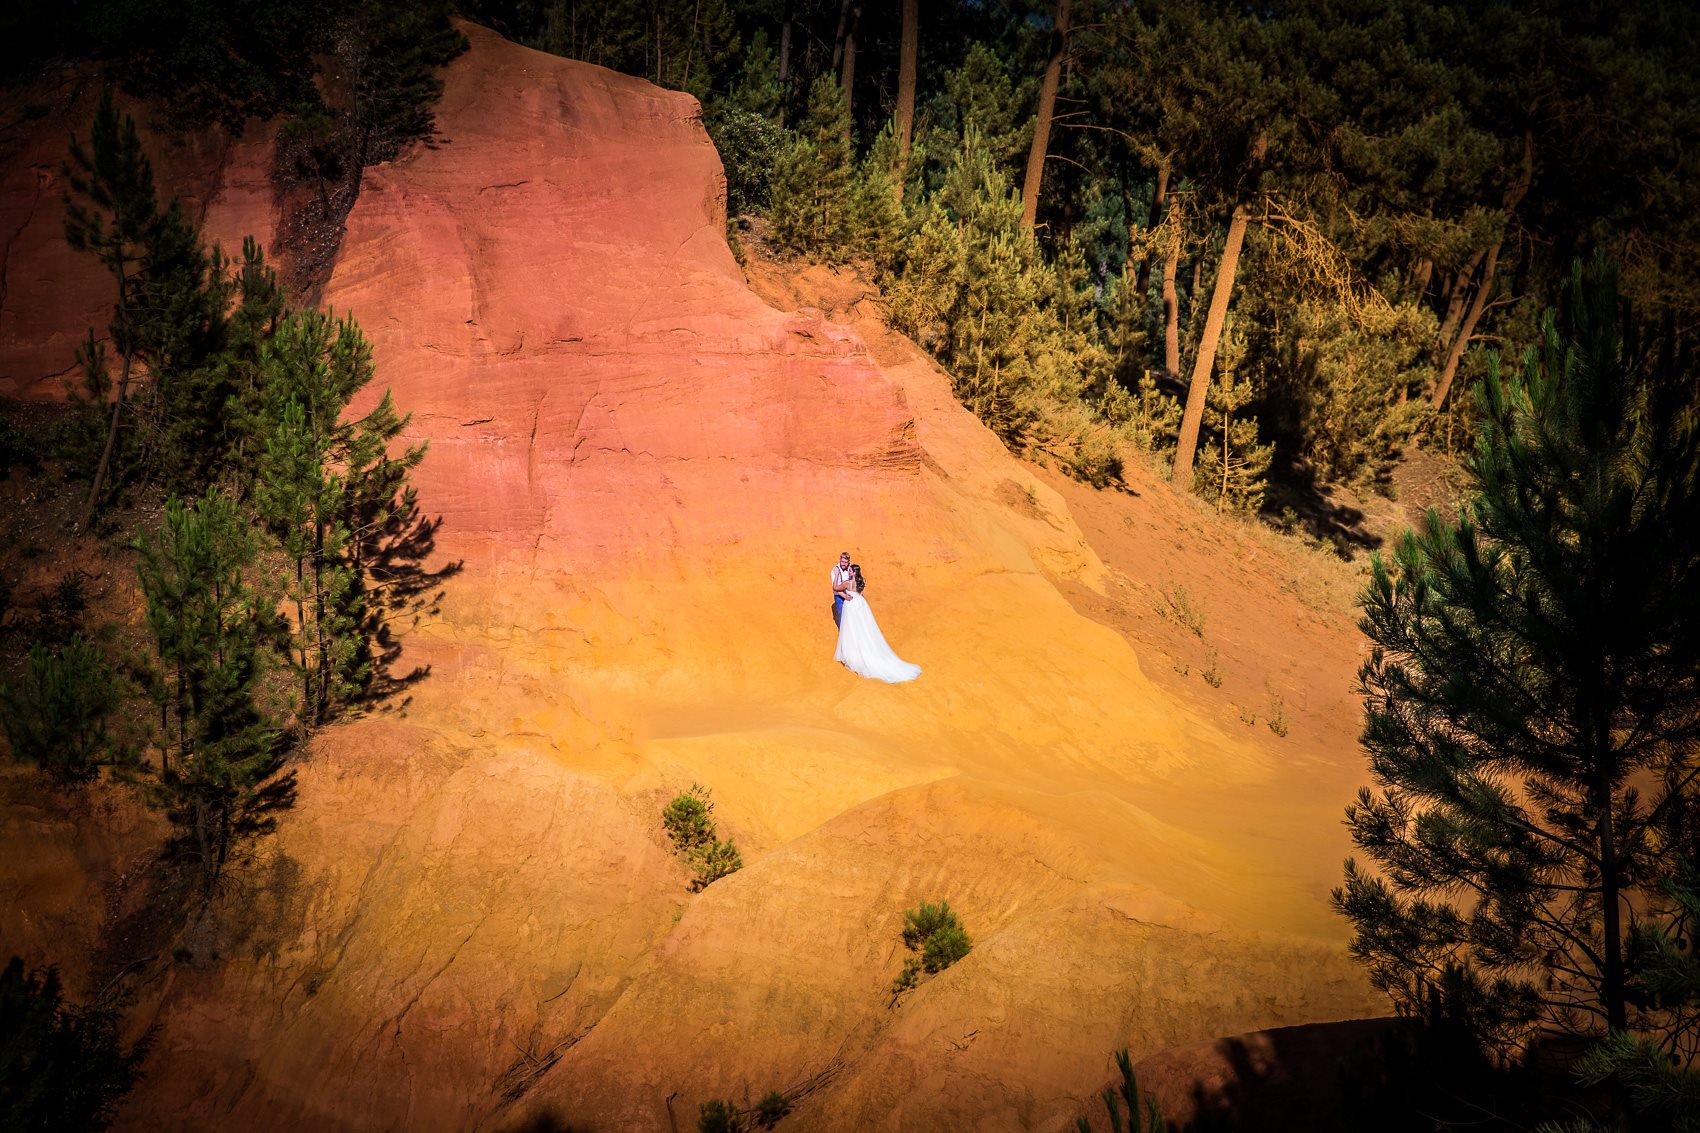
57 713
689 822
1231 462
1532 700
325 487
209 625
1129 1113
936 936
811 182
290 540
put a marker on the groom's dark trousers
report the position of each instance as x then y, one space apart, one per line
837 608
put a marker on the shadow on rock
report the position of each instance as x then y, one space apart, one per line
1296 501
1271 1081
1361 1076
545 1121
400 589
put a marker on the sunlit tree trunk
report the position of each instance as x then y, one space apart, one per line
906 76
1187 446
1171 302
1042 123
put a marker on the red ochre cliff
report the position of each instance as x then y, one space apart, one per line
471 918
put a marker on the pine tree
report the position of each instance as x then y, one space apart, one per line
1532 700
57 712
1018 335
757 89
336 499
929 282
390 52
1661 1092
299 498
1346 378
62 1066
811 189
111 210
1231 463
208 625
168 320
181 413
876 207
240 386
980 98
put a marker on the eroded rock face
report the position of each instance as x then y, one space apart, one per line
471 917
50 297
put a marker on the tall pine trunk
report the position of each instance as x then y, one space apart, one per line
1514 194
1612 976
1457 294
1467 328
1187 446
106 453
1159 200
906 77
102 469
1421 275
1042 123
691 44
847 69
784 65
843 30
1172 305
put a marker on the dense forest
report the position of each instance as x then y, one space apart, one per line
1272 244
1241 236
1271 247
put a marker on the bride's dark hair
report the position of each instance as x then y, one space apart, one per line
861 583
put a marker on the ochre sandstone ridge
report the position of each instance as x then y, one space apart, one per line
470 918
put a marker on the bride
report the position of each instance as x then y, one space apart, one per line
861 646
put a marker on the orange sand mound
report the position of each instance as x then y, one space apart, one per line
470 918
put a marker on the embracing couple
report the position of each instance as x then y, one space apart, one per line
861 646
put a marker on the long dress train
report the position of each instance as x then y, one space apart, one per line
862 647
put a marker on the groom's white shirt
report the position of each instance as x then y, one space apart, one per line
840 575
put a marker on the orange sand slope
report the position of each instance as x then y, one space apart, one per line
471 917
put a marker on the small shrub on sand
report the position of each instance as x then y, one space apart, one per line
713 862
772 1109
937 936
689 821
1211 674
1177 604
719 1117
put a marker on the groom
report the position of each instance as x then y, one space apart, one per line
843 580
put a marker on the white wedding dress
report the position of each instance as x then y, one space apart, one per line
862 647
